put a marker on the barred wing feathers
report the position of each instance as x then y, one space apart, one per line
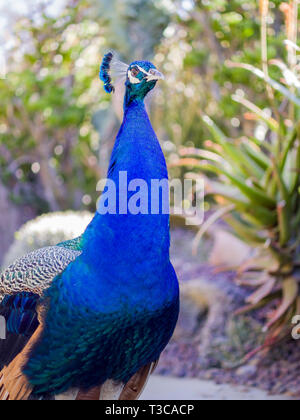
21 286
34 272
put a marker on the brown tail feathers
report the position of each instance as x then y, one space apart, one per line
14 385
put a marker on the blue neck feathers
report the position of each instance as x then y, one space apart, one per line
130 238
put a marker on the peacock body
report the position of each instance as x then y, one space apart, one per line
99 309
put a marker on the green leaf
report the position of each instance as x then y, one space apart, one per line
217 133
254 194
260 216
245 233
272 124
257 155
221 212
275 85
289 146
284 223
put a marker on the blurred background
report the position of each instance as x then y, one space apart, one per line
228 112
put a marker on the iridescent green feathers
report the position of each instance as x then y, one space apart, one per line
73 244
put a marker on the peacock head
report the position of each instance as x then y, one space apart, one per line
140 77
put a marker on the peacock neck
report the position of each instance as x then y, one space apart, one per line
137 149
134 96
131 100
131 237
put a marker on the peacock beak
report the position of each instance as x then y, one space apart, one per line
159 75
155 75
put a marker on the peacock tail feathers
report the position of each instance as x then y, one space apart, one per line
13 383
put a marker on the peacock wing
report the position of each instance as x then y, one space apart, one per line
35 271
21 286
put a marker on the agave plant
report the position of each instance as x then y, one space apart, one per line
255 184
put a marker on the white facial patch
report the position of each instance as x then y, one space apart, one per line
133 80
153 74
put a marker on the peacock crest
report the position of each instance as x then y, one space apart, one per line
112 67
143 74
105 73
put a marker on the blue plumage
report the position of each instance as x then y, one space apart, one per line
104 72
114 309
19 311
21 322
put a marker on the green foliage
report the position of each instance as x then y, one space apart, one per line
134 27
194 53
255 182
47 102
52 97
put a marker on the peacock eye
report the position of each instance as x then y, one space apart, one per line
151 71
135 71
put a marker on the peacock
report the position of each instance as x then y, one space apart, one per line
89 318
